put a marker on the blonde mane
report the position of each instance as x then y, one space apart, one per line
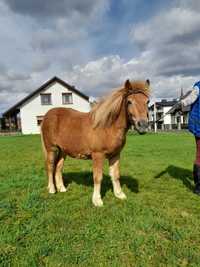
107 110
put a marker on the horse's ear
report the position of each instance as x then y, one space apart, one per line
148 82
127 85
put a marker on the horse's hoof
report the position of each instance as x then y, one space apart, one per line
62 189
97 202
121 195
52 190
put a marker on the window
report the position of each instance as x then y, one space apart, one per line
178 119
39 120
67 98
45 99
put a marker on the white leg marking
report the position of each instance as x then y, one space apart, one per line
51 189
58 176
62 188
115 175
96 198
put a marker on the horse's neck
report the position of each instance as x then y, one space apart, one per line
122 120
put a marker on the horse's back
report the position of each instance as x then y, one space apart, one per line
63 112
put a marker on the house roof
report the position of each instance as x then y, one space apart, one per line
40 89
171 103
173 110
164 103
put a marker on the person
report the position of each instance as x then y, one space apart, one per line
193 99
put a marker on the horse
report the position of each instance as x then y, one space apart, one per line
97 135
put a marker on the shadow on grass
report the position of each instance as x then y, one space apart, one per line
85 178
178 173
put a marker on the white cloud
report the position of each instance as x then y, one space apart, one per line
101 76
104 74
164 27
173 41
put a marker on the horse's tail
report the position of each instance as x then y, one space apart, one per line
42 142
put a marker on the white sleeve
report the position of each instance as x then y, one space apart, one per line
191 98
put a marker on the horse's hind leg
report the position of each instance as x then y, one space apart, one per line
58 174
115 176
50 166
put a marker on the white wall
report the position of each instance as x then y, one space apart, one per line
33 108
167 118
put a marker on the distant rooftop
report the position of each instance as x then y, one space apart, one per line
164 103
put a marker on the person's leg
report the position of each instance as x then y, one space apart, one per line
196 170
197 161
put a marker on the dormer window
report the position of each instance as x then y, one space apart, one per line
67 98
46 99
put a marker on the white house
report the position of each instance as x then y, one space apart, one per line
27 114
165 120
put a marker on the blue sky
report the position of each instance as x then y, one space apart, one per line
96 45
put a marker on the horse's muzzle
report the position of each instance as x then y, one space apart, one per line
142 126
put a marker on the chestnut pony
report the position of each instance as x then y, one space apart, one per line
96 135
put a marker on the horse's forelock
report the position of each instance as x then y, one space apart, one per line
140 86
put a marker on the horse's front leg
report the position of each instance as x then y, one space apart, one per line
98 159
114 171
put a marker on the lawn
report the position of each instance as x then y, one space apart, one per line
158 224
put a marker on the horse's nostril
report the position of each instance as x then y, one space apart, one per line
143 124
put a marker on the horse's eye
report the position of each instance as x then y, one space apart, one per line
129 103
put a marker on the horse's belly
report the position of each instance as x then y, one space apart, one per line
78 154
81 156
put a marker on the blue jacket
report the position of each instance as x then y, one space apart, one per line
194 116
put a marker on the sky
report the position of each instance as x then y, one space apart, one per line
97 45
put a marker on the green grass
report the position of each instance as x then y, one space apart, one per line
158 224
